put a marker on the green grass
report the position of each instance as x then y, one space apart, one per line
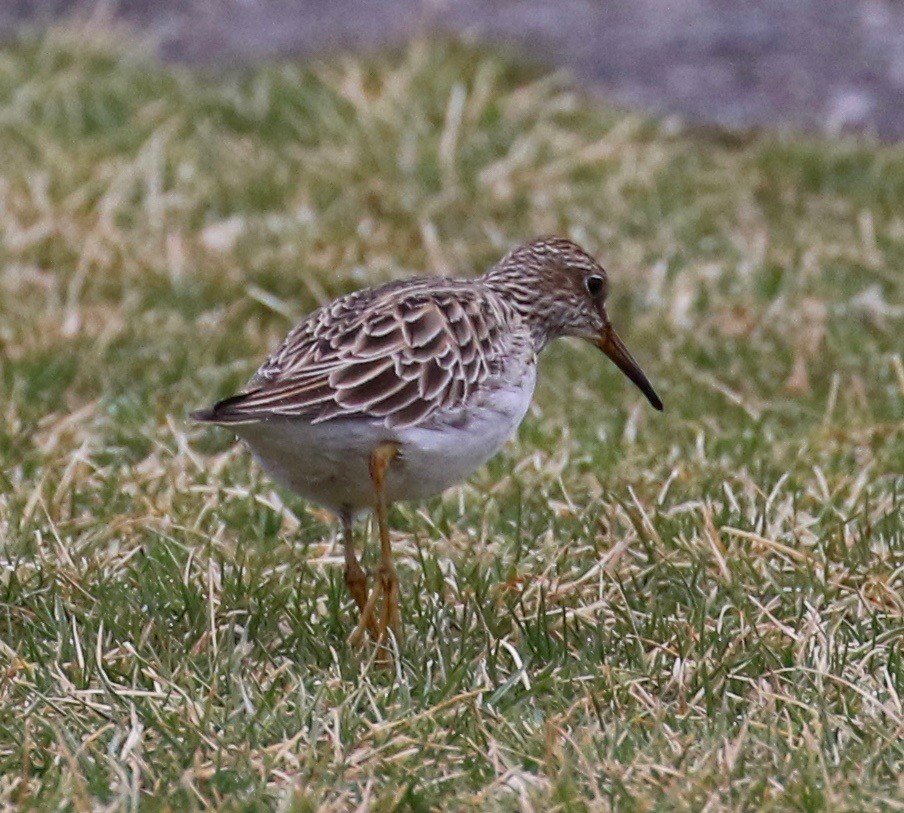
702 609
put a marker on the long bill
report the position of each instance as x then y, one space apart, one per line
612 346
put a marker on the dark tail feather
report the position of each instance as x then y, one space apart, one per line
224 411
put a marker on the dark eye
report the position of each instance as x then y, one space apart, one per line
594 285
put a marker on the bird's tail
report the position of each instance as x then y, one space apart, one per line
226 411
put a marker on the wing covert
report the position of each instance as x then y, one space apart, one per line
398 353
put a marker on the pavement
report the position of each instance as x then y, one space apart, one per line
827 66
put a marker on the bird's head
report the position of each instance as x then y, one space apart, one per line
560 290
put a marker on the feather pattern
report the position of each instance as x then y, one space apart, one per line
399 353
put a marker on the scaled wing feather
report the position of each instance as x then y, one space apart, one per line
398 353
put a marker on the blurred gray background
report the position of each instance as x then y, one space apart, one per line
829 66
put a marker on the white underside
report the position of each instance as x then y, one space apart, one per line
327 463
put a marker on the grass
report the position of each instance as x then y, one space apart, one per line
699 610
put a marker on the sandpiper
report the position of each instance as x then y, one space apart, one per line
399 391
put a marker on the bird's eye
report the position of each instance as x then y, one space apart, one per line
594 285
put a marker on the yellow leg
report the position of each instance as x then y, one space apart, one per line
367 620
355 577
388 581
391 618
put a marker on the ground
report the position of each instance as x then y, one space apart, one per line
694 610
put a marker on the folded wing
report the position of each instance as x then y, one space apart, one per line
399 353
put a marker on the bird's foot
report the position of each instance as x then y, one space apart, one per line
390 617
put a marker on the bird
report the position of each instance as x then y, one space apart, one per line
399 391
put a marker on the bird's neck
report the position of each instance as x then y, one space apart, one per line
525 296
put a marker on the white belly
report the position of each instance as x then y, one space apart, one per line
327 463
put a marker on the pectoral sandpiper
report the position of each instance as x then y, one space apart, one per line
397 392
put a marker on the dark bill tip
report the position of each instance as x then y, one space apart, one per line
612 346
